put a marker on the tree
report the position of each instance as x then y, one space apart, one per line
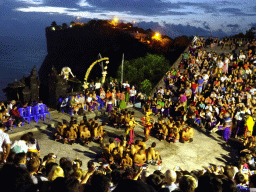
250 33
151 67
146 87
64 26
54 24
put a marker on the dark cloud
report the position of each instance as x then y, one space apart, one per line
235 12
207 8
138 7
62 3
173 30
233 25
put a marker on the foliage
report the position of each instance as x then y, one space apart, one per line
146 87
151 67
64 26
54 24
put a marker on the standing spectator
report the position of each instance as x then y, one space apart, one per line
98 86
63 105
5 143
200 82
133 93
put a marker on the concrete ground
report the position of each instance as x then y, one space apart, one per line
205 150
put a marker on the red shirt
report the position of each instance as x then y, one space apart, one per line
16 113
194 85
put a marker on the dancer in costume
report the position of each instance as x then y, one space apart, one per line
122 100
226 129
147 124
109 105
65 71
130 130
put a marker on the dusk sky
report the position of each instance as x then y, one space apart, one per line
23 22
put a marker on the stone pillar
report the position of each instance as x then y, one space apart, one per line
57 87
26 94
34 85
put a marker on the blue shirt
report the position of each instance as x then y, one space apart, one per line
242 189
200 82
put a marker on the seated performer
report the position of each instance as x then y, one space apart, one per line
140 158
126 160
152 155
147 125
71 136
163 132
59 135
113 117
85 136
111 146
187 135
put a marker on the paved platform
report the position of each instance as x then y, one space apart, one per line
203 151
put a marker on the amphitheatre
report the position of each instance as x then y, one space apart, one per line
206 149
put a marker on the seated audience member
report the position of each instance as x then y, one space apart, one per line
154 181
17 116
81 101
74 104
241 182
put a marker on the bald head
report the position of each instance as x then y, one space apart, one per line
170 176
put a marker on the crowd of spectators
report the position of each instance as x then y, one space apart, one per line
22 169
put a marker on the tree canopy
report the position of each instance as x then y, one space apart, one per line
151 67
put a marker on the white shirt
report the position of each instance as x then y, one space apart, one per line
242 57
4 139
97 85
248 71
252 91
224 78
81 99
220 64
206 77
160 91
89 99
133 92
126 85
